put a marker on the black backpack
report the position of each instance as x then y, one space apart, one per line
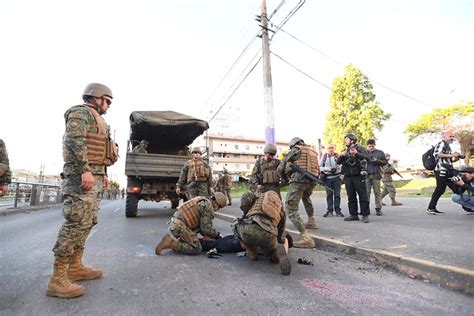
429 160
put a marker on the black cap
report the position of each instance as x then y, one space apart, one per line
467 169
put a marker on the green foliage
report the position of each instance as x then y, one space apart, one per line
114 184
458 118
353 109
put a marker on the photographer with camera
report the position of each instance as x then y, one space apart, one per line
464 182
331 175
444 166
354 164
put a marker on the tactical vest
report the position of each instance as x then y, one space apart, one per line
268 205
308 160
189 213
269 171
197 170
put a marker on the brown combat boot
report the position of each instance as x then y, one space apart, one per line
59 285
311 223
285 265
306 241
395 202
78 271
165 243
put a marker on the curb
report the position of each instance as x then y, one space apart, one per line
454 278
25 210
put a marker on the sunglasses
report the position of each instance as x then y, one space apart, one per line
195 152
109 102
270 154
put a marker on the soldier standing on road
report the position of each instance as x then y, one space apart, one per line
195 176
265 176
5 174
141 148
300 187
193 217
262 228
374 173
225 185
87 151
353 161
388 170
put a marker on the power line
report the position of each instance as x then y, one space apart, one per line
235 90
288 16
340 63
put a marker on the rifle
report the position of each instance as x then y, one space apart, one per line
394 170
309 176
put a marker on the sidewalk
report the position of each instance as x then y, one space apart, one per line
435 248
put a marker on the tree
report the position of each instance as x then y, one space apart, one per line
353 109
458 118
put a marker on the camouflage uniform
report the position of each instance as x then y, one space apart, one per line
140 149
5 173
224 184
257 230
80 208
195 185
188 242
270 183
300 188
388 170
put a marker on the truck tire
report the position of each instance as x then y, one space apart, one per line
174 203
131 205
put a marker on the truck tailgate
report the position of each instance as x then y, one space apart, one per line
154 165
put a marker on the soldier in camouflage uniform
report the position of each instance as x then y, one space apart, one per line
141 148
300 187
388 170
224 184
262 228
195 176
264 173
5 174
87 151
193 217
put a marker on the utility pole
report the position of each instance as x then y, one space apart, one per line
267 79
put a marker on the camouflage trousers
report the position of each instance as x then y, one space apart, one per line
255 237
389 189
181 233
299 191
198 188
372 182
80 213
226 192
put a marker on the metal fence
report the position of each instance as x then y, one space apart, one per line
21 194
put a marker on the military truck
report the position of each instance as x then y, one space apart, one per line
152 176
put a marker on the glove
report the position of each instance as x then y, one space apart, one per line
213 254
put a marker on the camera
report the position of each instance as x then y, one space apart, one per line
455 176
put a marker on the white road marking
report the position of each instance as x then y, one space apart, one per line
118 208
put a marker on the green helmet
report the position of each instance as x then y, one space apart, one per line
196 150
270 148
247 200
294 141
97 90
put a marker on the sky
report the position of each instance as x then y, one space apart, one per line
175 54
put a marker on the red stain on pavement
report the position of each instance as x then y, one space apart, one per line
347 294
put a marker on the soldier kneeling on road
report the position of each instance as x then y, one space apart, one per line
193 217
262 228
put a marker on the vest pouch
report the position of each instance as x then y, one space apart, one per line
112 154
271 206
270 176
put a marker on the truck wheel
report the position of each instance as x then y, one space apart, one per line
131 205
175 203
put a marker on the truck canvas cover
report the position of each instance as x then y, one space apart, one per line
166 131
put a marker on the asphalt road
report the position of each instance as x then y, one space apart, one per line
137 282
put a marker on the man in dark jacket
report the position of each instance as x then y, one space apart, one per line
374 173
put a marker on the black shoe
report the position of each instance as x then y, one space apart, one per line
378 212
433 211
328 214
339 214
365 218
351 218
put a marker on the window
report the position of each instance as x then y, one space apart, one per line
236 146
237 165
247 147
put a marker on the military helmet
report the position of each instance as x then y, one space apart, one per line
270 148
387 155
294 141
247 200
97 90
220 199
352 137
196 150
